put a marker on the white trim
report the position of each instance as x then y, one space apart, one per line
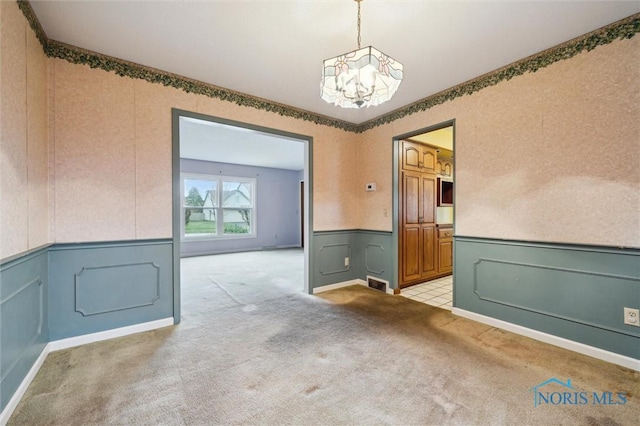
85 339
286 246
339 285
71 342
19 393
245 250
571 345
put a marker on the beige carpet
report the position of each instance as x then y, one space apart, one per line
349 356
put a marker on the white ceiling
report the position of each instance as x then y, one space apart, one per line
209 141
274 49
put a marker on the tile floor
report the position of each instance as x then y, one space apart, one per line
436 292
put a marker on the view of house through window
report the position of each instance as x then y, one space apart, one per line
218 206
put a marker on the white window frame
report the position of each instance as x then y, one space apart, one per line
220 235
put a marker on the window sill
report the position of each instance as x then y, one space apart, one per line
216 238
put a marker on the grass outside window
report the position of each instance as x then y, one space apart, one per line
200 227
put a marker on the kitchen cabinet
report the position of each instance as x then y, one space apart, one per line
425 248
418 158
444 167
445 250
418 227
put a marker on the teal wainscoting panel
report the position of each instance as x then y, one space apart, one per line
571 291
23 318
330 249
369 252
100 286
98 289
377 255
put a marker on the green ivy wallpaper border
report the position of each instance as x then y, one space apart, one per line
623 29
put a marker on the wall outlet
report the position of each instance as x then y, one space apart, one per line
346 262
632 316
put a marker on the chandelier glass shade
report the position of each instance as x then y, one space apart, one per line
363 77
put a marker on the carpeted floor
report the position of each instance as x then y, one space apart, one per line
256 350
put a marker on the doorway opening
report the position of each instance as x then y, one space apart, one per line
424 200
236 190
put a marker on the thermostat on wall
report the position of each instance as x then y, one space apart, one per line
371 186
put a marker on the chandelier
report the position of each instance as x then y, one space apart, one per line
363 77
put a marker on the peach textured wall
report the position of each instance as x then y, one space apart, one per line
24 209
548 156
112 149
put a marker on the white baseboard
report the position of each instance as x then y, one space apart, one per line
19 393
339 285
71 342
571 345
357 281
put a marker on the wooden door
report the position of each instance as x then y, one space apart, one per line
448 169
445 256
428 189
444 167
429 159
410 249
411 156
428 267
418 230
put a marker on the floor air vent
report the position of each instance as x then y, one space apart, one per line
377 284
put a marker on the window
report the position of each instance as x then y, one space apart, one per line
218 207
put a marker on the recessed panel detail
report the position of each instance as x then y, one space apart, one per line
103 289
21 316
332 258
580 296
374 259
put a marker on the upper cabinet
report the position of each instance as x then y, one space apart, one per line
444 167
418 158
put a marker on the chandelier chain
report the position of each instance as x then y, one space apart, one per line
358 1
362 77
